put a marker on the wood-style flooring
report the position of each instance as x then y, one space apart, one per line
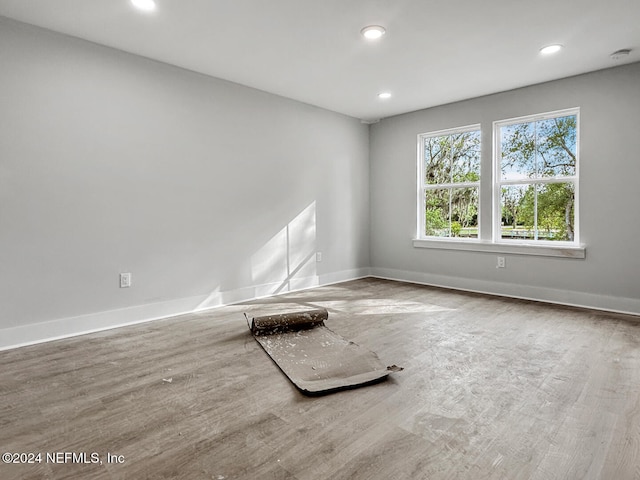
492 388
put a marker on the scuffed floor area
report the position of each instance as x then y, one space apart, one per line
492 388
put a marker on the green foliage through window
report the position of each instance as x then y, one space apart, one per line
538 167
451 183
533 188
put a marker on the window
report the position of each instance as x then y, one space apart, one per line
529 205
536 178
450 183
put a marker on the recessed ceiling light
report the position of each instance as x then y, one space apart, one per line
384 95
549 49
373 32
146 5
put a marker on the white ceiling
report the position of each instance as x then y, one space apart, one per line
434 52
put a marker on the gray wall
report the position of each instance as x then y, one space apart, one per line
209 192
206 191
609 276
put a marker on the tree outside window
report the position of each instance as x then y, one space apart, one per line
538 166
534 183
451 183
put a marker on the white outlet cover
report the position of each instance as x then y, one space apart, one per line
125 280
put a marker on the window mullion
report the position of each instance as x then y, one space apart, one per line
451 185
529 181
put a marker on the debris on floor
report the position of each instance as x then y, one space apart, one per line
316 359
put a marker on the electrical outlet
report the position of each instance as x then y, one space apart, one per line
125 280
501 263
318 256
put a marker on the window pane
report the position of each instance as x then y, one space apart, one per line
437 160
437 218
464 212
451 212
452 158
465 160
517 144
538 212
555 209
556 146
545 148
517 221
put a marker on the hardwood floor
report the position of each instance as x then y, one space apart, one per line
492 388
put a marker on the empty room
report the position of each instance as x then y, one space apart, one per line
362 239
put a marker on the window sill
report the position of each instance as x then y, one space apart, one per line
546 250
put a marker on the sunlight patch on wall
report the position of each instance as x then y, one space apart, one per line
214 299
287 260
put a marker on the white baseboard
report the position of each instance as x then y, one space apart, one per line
23 335
572 298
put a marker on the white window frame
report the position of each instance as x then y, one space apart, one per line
489 237
423 188
498 183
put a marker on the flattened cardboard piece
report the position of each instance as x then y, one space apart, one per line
316 359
